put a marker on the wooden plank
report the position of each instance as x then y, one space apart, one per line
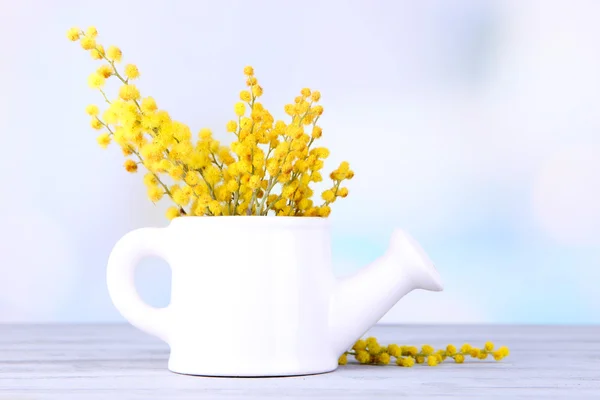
119 362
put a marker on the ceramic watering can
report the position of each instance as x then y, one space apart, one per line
256 296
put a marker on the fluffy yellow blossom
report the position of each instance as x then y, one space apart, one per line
95 123
341 172
73 34
130 166
245 96
257 90
427 350
394 350
249 71
374 349
91 32
290 109
181 198
150 179
343 360
441 355
362 357
451 350
96 81
432 361
172 212
489 346
205 134
324 211
98 52
148 105
459 358
129 92
383 358
328 196
92 110
104 71
87 43
240 109
165 165
114 54
214 207
317 132
155 193
360 345
316 96
103 140
342 192
176 173
231 126
232 186
212 175
192 179
254 182
410 351
405 361
321 152
131 71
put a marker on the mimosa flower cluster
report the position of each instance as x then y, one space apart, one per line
369 351
268 167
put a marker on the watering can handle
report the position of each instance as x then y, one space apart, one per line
120 278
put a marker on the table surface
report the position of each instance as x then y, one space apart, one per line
119 362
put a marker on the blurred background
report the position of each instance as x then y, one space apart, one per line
472 124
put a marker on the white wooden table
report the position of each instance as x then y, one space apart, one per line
118 362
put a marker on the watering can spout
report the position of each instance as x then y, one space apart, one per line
359 301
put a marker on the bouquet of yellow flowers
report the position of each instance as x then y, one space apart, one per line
267 168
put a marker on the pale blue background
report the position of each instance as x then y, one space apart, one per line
475 125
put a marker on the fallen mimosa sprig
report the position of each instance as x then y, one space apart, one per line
369 351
